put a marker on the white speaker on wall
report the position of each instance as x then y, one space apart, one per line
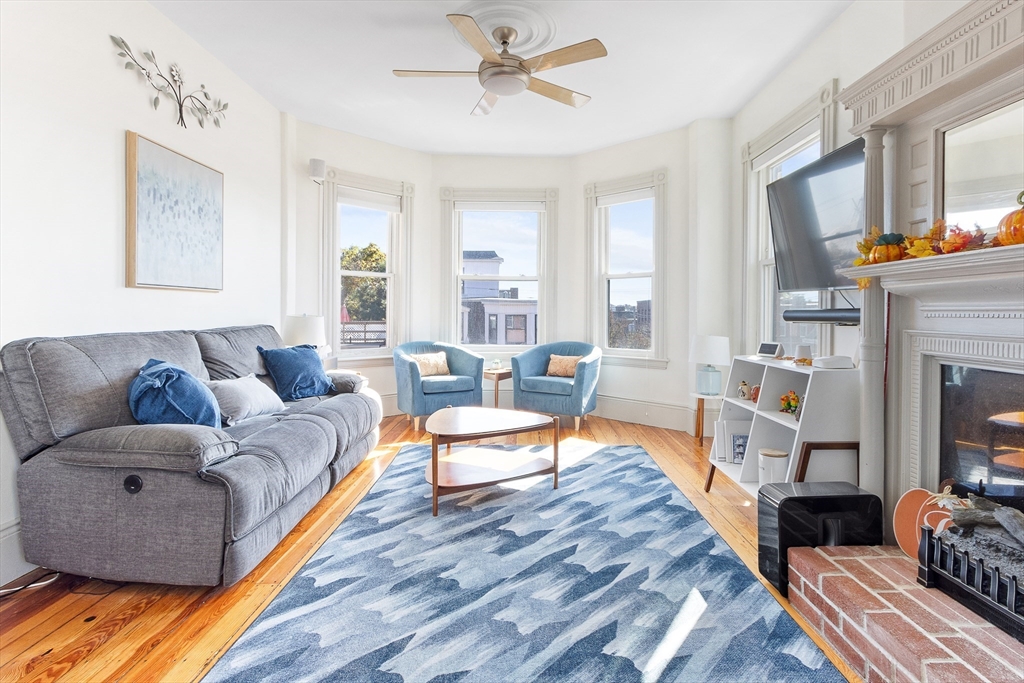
317 169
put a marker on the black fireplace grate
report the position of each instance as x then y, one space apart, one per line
981 589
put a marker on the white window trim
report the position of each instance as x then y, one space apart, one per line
547 247
399 282
756 307
597 304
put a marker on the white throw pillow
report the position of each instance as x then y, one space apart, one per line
243 398
431 363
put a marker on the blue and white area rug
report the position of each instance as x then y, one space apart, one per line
612 577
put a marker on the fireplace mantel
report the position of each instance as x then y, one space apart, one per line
987 283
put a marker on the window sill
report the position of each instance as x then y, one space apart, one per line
634 361
346 362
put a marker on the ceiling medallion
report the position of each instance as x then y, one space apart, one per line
535 27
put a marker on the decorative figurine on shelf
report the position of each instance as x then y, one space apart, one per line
790 402
755 391
743 391
799 408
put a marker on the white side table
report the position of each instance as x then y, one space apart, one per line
698 428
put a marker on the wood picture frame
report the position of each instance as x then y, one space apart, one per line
174 219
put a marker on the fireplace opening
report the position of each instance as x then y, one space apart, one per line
982 433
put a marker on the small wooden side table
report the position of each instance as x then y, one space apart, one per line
496 375
698 428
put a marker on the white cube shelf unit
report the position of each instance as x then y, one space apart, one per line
831 412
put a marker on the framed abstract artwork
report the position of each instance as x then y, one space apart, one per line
175 219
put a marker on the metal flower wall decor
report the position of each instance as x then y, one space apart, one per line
199 103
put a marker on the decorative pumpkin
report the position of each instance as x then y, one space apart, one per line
888 247
1011 227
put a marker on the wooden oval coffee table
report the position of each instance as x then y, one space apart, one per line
473 470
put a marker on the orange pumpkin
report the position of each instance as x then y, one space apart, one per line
1011 227
883 253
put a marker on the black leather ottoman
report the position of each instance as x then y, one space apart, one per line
812 514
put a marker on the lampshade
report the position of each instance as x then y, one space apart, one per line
710 350
304 329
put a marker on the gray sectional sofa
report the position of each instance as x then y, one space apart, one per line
102 496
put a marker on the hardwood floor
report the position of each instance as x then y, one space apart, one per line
78 630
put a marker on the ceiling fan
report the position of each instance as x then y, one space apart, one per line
506 74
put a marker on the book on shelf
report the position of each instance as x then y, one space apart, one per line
736 434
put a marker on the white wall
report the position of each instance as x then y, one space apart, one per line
67 101
864 36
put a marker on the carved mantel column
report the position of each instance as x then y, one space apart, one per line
872 331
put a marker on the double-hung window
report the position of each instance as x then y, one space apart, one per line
627 223
498 249
363 244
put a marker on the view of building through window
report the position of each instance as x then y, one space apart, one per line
498 280
364 246
630 272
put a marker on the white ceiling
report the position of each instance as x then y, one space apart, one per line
668 64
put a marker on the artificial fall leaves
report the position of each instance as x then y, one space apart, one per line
939 240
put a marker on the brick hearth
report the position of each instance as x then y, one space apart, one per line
867 603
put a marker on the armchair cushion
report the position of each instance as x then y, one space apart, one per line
547 385
440 384
165 393
185 448
563 366
298 372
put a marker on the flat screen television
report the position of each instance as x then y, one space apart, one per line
817 216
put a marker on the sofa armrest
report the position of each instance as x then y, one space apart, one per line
465 362
531 363
184 448
347 381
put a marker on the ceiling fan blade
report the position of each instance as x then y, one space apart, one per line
485 105
470 30
406 73
558 93
580 52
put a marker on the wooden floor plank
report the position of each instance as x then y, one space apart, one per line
161 633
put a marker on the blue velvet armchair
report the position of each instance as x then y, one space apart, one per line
419 396
533 390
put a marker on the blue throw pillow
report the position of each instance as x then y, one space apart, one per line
297 371
163 393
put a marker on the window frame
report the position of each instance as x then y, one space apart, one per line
397 273
784 138
498 200
598 275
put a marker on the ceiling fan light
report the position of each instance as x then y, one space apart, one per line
505 85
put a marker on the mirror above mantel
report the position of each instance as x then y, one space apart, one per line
984 168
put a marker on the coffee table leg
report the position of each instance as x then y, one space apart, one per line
433 465
556 435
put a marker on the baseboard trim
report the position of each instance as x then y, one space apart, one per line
651 413
12 559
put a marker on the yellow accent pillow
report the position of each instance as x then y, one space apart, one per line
563 366
431 363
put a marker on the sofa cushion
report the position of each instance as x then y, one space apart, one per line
347 381
243 398
547 385
442 384
185 448
298 372
230 352
163 393
271 467
63 386
247 428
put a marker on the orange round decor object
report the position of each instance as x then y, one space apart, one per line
905 518
884 253
1011 227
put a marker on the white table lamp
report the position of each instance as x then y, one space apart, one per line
708 351
304 329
